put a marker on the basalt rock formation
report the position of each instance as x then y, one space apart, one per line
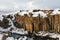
51 23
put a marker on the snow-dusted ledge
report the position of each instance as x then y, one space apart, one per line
52 35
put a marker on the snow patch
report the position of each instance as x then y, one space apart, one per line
35 14
23 38
1 18
56 11
1 36
19 31
52 35
10 38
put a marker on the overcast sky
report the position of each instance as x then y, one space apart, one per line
29 4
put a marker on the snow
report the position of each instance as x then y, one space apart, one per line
35 14
10 38
8 29
22 38
15 30
30 10
42 14
19 31
1 17
42 33
45 34
22 13
52 35
22 31
55 12
1 36
12 13
11 23
5 14
2 29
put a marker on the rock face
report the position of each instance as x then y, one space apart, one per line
34 24
51 23
54 22
4 23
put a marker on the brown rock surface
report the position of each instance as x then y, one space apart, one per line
35 24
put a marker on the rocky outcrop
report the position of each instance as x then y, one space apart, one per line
35 24
54 22
51 23
4 23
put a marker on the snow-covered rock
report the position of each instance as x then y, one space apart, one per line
19 31
2 29
1 18
56 11
52 35
35 14
22 13
23 38
10 38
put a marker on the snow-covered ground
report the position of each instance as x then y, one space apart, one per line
12 38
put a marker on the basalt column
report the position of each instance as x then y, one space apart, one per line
56 23
43 21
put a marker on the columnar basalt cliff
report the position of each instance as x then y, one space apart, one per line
51 23
54 21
